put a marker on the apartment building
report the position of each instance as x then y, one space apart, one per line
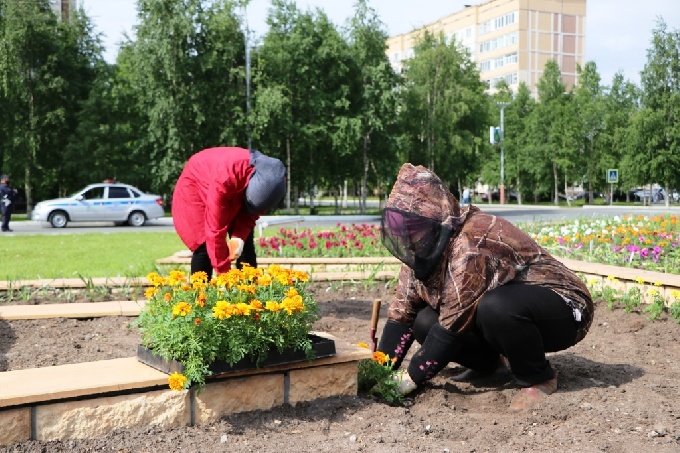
510 40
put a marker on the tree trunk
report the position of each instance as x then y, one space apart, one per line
556 185
364 176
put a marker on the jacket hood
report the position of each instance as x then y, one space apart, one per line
420 191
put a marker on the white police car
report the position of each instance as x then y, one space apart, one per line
104 202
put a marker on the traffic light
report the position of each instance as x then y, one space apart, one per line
494 135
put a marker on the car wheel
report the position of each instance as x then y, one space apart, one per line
136 219
58 219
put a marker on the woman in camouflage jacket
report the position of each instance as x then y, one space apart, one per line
475 290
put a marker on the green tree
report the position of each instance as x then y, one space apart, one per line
445 111
549 131
187 71
46 68
303 94
620 103
660 81
516 140
376 105
589 125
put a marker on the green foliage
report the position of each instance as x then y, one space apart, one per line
324 99
631 299
186 72
656 307
675 311
376 379
445 112
237 315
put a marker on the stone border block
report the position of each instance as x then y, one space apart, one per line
230 396
16 426
101 416
308 384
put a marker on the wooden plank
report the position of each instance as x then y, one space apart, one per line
94 378
72 310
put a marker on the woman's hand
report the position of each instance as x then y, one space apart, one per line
235 248
406 384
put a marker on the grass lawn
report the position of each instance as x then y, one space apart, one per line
85 255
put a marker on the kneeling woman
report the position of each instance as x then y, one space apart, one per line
475 290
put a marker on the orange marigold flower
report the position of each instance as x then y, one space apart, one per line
301 276
222 309
248 289
150 292
250 273
199 277
201 299
381 357
272 306
177 381
181 309
177 277
167 297
242 309
197 322
293 304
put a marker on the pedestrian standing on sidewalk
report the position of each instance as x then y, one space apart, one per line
466 196
7 197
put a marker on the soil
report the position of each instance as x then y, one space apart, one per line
618 392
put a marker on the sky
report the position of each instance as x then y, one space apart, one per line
618 32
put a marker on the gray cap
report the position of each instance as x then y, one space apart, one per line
267 185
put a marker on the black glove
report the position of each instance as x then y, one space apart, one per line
436 352
395 341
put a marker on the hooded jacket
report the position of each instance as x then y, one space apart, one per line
208 199
484 252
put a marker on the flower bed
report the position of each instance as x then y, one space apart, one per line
241 314
643 242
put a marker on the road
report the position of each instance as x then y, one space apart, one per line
514 213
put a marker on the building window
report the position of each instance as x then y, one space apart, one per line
485 66
498 43
510 58
510 79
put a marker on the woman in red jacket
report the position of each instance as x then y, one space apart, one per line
222 192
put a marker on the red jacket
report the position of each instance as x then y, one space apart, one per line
208 199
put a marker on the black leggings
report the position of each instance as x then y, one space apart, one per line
200 260
521 322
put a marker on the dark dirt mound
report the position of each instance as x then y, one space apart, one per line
618 393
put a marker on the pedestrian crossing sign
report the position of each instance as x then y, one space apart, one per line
612 176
